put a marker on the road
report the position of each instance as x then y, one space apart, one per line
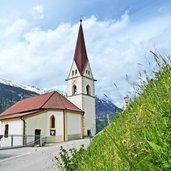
35 158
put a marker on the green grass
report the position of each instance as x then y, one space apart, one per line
139 138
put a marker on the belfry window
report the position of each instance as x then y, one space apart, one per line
72 72
74 89
6 130
52 121
88 90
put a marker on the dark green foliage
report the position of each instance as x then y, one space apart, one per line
69 160
10 95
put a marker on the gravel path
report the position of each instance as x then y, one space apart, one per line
36 158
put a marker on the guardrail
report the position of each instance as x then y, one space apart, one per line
12 141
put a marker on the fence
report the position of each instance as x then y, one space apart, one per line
12 141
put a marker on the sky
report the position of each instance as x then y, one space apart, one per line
38 39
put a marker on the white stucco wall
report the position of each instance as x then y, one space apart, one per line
74 79
81 99
89 115
77 100
59 126
38 121
0 129
16 129
73 123
87 71
42 122
89 82
73 68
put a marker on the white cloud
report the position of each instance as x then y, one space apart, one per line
3 21
43 58
15 29
38 11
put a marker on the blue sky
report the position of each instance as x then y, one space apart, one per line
38 38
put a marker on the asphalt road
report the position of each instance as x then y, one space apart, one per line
35 158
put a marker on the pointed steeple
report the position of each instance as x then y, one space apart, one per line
80 56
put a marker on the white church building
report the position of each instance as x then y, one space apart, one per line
51 116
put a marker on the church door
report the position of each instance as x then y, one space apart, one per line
37 136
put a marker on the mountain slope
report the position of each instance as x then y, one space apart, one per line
10 95
105 111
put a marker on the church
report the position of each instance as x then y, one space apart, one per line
52 116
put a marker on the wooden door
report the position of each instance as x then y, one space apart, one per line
37 136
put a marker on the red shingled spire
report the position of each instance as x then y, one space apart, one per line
80 55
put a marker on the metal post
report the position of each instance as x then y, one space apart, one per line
40 141
11 140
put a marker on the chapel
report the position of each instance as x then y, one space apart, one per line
52 116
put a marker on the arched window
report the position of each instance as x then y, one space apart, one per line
74 89
88 90
52 121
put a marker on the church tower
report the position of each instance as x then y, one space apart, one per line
81 90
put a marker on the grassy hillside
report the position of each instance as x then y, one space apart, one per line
139 138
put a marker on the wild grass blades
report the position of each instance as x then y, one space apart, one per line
68 159
139 138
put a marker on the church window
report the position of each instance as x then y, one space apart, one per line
75 72
6 130
52 121
72 72
87 72
74 89
88 90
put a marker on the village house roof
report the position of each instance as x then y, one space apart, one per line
52 100
80 56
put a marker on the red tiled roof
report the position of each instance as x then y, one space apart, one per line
52 100
80 55
17 115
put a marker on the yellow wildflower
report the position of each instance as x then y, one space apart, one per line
123 141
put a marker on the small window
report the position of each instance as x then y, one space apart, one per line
89 133
75 72
6 130
74 89
72 72
52 121
88 90
88 72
